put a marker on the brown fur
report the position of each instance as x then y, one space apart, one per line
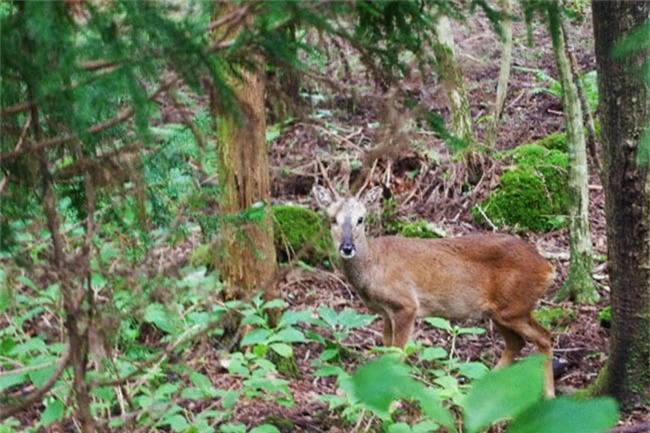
497 275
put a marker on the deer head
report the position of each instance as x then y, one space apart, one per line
347 217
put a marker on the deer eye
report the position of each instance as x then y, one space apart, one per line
360 221
333 221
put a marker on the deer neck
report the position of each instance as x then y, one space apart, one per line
357 269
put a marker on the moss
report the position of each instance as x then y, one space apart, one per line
557 317
555 141
605 317
295 228
531 196
520 201
419 229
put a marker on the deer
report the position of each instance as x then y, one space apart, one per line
400 279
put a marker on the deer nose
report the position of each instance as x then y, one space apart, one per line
347 250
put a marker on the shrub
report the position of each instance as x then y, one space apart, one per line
296 227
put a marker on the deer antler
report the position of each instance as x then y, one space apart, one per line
326 177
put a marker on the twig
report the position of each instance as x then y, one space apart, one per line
37 395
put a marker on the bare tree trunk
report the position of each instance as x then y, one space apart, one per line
504 72
452 81
579 285
248 262
625 115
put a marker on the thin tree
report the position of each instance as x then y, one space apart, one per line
504 71
624 94
452 81
579 285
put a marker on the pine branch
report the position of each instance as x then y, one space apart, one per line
52 142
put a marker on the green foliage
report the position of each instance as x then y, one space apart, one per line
605 317
514 392
296 228
556 317
420 229
554 87
533 195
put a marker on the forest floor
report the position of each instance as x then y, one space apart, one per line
580 341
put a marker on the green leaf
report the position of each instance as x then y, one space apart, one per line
425 427
351 319
274 303
289 335
35 344
472 330
378 383
265 428
473 370
201 381
282 349
177 422
158 315
431 353
439 323
503 393
400 427
53 412
233 428
328 315
42 375
255 336
290 318
563 415
11 380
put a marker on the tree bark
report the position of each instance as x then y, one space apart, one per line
625 114
452 81
248 259
504 72
579 285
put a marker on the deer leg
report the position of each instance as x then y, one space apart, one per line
387 337
532 331
514 344
402 324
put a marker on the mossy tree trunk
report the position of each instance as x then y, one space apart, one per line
452 81
247 256
579 285
625 115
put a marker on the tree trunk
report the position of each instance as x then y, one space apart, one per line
504 72
625 114
452 82
579 285
248 259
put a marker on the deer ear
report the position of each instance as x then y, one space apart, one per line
371 198
322 195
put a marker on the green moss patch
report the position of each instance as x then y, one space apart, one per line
555 318
419 229
533 195
296 228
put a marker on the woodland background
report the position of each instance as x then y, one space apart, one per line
163 268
